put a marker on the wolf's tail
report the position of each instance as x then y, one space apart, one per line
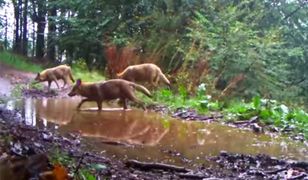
120 74
164 78
141 89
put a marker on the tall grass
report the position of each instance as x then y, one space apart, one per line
19 62
85 75
80 71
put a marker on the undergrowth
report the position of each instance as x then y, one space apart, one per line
76 170
270 112
81 72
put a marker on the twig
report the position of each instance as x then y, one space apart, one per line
251 120
276 171
192 176
149 166
79 163
300 176
118 143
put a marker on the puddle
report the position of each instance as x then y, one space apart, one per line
5 87
152 136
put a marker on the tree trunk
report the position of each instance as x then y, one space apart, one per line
40 39
38 16
51 48
6 32
17 40
33 40
25 31
20 2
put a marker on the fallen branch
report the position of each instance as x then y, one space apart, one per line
300 176
116 143
149 166
250 121
303 165
192 176
276 171
79 163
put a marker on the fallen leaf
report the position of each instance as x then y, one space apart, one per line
59 172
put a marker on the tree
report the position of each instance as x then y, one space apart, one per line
24 44
17 15
51 44
39 16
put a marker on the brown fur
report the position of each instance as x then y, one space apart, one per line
144 73
53 74
108 90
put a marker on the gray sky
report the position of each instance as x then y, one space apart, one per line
8 11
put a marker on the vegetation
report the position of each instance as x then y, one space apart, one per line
237 48
64 160
19 62
270 112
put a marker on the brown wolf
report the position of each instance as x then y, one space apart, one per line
147 72
108 90
53 74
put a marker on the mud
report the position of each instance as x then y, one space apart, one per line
28 140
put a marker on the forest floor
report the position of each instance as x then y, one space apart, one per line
27 151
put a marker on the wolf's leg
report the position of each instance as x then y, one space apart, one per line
49 84
64 82
81 102
124 102
55 80
155 79
131 96
99 105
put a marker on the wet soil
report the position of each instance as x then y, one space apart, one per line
15 76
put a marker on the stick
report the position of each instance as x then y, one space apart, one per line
192 176
276 171
79 163
149 166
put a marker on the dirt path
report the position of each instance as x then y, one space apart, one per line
15 76
10 77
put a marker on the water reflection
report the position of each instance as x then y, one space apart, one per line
120 126
156 133
30 112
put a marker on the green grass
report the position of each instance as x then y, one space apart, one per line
84 75
19 62
269 111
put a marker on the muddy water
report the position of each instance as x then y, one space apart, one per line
152 136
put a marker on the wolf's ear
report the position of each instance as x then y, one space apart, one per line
78 82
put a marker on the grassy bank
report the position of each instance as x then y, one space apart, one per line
19 62
24 64
269 112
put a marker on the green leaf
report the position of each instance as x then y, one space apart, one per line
256 102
